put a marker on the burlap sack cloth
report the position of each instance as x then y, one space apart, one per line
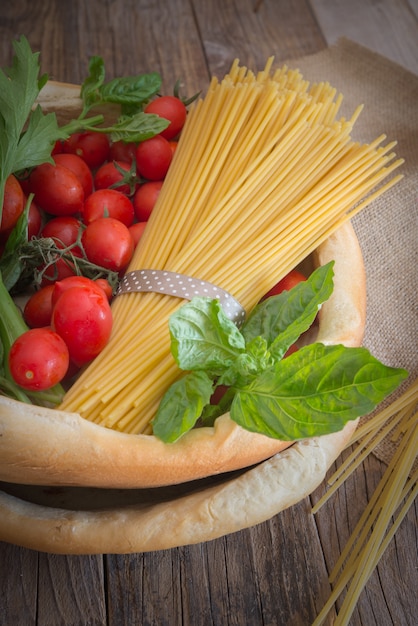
388 228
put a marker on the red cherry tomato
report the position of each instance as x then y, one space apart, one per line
58 271
91 146
106 286
83 318
108 243
136 231
122 151
13 203
63 230
82 282
108 176
153 158
218 394
293 348
80 168
57 149
172 109
57 189
34 220
173 146
38 359
108 203
38 309
145 198
287 282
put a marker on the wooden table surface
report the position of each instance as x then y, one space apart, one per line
275 573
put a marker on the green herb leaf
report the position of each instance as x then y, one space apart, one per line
203 337
182 406
26 135
36 143
281 319
89 92
136 90
314 391
19 87
138 127
11 262
248 364
132 93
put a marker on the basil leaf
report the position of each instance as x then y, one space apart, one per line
139 127
314 391
281 319
90 88
131 89
130 92
203 337
181 406
215 409
248 364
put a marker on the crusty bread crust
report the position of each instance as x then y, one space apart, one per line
343 316
106 525
52 447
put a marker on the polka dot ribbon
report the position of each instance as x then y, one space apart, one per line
181 286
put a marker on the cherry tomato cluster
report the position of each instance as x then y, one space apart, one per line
95 200
70 323
93 177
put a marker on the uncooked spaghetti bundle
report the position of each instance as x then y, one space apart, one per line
264 172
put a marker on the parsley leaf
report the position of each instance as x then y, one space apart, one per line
27 136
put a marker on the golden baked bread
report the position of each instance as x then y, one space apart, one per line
120 493
50 447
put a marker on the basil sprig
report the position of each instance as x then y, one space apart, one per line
131 93
314 391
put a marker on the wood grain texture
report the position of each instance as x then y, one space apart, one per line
19 585
388 27
396 573
133 37
71 588
275 574
233 29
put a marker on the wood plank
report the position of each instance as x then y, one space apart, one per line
18 584
203 562
144 588
140 36
388 27
390 593
234 29
274 571
290 567
71 590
